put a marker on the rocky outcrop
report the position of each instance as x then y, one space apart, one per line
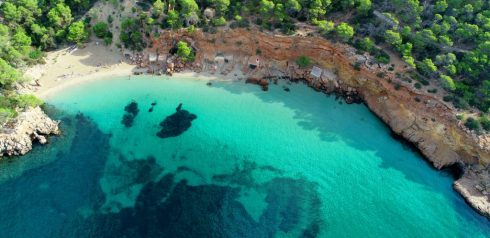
263 83
476 193
177 123
420 118
30 126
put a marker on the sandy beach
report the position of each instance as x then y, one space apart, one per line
69 67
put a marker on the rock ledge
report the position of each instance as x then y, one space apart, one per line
30 126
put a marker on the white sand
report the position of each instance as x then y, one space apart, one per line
64 68
94 62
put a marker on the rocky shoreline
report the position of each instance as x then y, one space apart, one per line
420 118
32 125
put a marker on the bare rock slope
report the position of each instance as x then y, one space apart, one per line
418 117
31 125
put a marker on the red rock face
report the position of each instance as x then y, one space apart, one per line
419 118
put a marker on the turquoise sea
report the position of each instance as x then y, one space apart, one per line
252 164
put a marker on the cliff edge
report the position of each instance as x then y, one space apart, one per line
30 126
420 118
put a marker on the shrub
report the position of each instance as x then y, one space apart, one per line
101 29
357 66
397 86
221 21
382 57
485 123
27 100
447 98
366 44
473 124
460 103
303 61
36 54
6 114
107 40
418 85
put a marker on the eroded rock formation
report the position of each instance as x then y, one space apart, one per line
30 126
418 117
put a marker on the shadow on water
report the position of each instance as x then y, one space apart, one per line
42 199
315 117
329 123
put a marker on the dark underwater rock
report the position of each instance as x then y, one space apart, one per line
132 108
176 123
131 111
263 83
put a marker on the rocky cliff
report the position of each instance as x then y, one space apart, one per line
31 125
418 117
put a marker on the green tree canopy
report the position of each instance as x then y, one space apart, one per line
60 16
344 31
101 29
447 82
184 51
131 35
393 38
158 7
427 66
8 75
77 32
188 7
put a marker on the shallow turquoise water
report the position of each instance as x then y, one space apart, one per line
253 164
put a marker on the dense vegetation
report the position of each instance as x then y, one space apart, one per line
27 27
445 42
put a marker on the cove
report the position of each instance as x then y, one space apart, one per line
253 164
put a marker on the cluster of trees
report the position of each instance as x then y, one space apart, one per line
269 14
101 30
447 41
27 27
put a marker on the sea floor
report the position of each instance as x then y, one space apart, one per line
252 164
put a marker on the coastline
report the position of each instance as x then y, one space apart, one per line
58 72
439 140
